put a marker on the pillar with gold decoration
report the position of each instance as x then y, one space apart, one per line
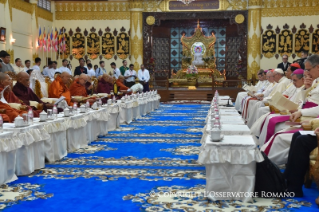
254 31
136 25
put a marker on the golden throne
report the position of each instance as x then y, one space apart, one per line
198 50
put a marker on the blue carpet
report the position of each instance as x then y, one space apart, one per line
157 154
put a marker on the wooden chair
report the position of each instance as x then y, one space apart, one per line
48 82
37 89
313 172
96 82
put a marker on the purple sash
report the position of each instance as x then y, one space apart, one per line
309 105
267 150
272 125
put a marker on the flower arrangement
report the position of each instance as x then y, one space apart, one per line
191 71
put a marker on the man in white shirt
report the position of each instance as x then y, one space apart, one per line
87 63
91 72
144 77
101 70
52 70
116 71
18 66
37 64
27 64
64 67
130 76
46 69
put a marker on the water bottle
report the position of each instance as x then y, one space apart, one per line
114 100
100 103
217 121
1 124
75 108
30 116
55 112
87 104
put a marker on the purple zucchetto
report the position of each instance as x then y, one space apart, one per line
298 71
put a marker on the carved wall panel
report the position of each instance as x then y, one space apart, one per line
232 56
93 45
123 45
302 41
65 49
108 45
285 42
269 43
78 45
315 42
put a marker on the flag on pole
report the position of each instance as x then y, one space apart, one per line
56 40
44 40
49 40
40 39
63 40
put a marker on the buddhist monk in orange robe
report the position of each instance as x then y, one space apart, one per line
120 83
11 113
58 87
78 87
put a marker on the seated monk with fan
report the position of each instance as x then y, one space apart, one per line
78 87
59 87
9 113
23 91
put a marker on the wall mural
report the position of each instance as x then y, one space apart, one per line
291 42
108 45
78 45
269 43
123 44
93 45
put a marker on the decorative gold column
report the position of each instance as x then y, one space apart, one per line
136 25
254 31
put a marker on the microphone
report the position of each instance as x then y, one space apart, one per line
229 105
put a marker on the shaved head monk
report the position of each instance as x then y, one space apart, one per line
120 83
23 91
105 85
59 87
11 113
78 86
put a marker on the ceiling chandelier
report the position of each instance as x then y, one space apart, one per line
186 1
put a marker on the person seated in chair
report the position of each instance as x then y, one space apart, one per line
23 91
59 87
78 87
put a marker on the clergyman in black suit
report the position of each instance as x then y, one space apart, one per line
80 69
285 64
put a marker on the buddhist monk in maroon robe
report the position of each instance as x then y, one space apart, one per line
78 87
105 86
23 91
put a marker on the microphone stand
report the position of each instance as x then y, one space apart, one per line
229 105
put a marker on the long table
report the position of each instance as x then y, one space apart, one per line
230 163
25 149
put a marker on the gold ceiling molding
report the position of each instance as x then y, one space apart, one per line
3 1
289 11
255 2
233 5
92 11
92 15
45 14
289 3
22 5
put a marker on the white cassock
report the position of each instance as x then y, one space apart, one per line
252 115
280 147
294 95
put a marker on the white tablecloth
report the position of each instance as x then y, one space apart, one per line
230 166
56 145
31 155
8 147
126 114
96 123
76 133
136 110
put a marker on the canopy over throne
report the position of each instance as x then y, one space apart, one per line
198 50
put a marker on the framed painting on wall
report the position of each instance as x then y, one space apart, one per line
2 34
